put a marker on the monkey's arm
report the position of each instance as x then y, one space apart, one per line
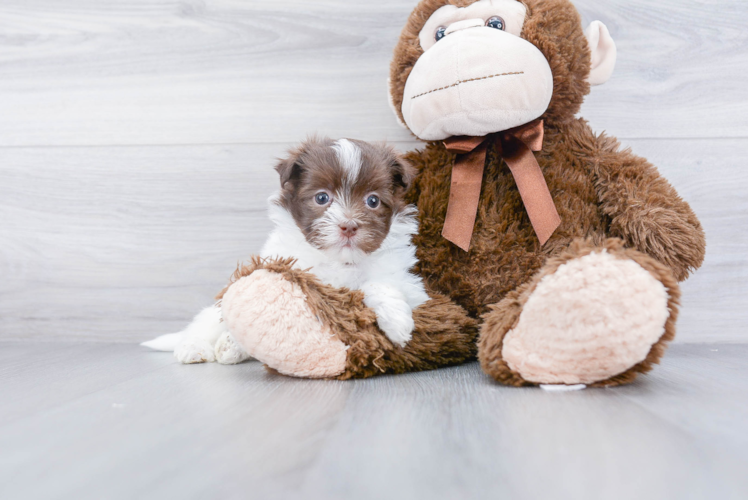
644 209
424 160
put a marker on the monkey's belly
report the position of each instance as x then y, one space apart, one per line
504 250
504 253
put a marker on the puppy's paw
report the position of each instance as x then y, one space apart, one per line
395 319
228 352
394 315
194 351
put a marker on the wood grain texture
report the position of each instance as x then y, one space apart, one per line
112 421
123 243
137 140
207 72
127 242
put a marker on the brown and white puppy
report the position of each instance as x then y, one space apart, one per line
342 195
341 213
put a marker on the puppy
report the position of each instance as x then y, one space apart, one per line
340 212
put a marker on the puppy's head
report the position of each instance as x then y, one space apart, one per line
343 194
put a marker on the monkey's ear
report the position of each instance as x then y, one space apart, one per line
603 50
403 173
290 170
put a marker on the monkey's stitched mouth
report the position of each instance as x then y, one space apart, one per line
469 80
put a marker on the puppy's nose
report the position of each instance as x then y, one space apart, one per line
348 228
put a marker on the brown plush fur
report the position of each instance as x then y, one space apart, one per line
444 334
504 316
599 191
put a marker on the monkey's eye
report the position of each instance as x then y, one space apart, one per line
321 198
496 22
440 33
372 201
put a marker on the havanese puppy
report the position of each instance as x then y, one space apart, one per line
341 213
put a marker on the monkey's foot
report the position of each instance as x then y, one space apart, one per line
598 318
269 317
298 326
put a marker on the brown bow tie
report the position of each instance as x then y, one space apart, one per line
515 146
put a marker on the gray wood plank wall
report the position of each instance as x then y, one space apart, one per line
137 139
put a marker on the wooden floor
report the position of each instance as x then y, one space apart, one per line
114 421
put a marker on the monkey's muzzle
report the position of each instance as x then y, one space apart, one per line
476 82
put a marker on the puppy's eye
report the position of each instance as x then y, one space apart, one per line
322 198
440 33
372 201
496 22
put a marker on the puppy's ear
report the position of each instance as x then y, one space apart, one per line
290 170
403 173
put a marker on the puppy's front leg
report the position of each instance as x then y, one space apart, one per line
200 337
228 352
394 315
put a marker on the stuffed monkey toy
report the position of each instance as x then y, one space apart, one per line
549 252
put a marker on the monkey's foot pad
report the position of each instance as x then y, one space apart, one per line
269 316
595 317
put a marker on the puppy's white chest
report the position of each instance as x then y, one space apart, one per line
339 274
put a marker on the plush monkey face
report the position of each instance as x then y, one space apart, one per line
478 67
476 75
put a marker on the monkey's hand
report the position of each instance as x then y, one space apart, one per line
645 211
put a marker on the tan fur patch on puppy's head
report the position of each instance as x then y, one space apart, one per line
344 194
